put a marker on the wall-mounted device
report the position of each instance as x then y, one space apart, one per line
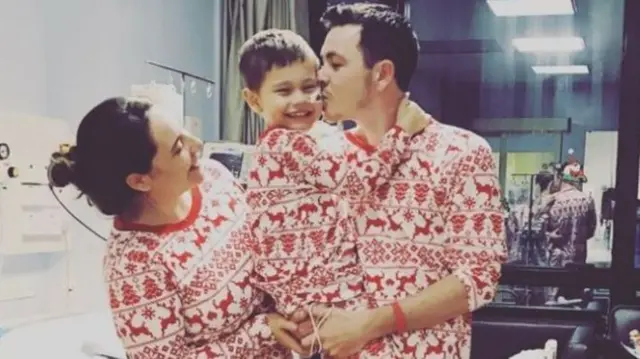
31 220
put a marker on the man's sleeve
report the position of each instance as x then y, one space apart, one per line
475 244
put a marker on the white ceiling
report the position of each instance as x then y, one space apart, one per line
464 41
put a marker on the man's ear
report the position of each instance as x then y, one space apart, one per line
139 182
252 99
383 74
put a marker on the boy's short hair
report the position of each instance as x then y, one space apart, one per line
267 49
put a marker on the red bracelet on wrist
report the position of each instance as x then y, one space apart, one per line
400 318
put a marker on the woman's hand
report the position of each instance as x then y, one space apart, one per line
283 330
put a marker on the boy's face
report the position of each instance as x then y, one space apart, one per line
289 96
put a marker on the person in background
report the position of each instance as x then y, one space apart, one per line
530 224
176 267
528 244
304 240
572 222
432 241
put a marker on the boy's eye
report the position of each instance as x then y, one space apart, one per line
284 91
310 88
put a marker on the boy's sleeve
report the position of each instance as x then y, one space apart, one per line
287 157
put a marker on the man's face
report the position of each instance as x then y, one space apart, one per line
346 79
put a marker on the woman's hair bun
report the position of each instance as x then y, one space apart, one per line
60 171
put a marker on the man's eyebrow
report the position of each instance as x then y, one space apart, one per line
331 55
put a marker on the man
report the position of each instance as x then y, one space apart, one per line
572 221
529 225
432 241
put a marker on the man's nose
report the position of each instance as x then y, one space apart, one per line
322 77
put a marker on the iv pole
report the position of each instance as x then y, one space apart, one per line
183 78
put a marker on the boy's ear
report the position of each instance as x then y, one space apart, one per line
252 99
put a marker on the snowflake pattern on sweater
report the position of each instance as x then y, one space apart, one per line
183 291
439 215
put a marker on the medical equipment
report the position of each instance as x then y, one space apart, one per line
169 97
236 157
183 78
32 224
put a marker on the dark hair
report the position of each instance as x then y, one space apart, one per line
385 35
543 179
267 49
113 141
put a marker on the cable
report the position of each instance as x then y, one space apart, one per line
55 195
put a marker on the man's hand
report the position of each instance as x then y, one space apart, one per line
411 118
343 333
283 330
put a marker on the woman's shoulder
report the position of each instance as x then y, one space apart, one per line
131 252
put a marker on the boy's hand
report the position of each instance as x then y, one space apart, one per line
411 118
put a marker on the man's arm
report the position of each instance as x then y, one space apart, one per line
475 249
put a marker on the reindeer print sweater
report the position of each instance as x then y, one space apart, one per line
182 291
304 242
439 215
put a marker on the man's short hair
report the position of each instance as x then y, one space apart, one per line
386 35
268 49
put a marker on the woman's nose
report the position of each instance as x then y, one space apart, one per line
195 144
198 145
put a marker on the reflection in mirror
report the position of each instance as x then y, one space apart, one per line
506 78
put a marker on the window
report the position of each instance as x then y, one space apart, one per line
553 128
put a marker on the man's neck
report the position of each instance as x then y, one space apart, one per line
568 186
373 122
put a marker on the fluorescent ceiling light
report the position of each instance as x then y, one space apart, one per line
531 7
548 44
561 70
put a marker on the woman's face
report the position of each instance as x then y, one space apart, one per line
175 168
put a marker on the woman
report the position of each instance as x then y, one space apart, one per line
176 266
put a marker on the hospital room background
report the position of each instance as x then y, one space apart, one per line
57 62
59 58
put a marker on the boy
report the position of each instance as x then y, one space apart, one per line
302 238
